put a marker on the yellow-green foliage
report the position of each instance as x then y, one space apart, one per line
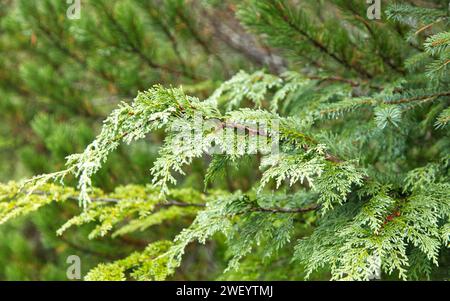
143 266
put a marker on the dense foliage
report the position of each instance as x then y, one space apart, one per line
327 158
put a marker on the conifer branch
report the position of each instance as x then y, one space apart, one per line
176 203
138 51
370 189
418 98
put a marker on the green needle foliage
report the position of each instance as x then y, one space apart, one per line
348 180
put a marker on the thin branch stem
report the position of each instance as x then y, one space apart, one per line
175 203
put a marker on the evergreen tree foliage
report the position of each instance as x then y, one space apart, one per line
349 177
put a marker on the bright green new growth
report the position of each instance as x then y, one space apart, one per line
355 164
